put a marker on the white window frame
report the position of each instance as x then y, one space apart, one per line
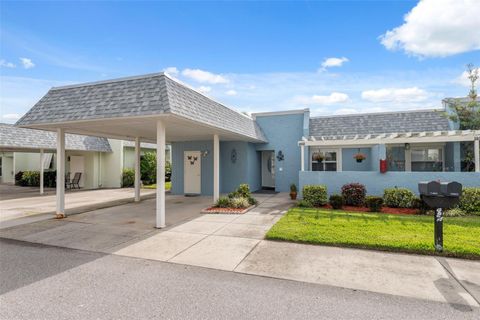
338 161
408 153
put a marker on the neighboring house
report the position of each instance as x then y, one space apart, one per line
100 160
272 150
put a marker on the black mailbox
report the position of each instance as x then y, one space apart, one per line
437 194
440 195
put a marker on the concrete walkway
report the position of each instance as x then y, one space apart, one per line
38 208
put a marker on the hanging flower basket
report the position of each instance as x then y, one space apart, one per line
318 157
360 157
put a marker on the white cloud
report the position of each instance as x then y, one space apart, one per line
6 64
204 76
333 62
231 92
173 71
463 78
27 63
11 116
437 28
204 89
396 95
332 98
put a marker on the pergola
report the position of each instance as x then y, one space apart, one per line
151 108
368 140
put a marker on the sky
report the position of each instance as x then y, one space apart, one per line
334 57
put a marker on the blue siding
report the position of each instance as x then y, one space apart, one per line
376 182
246 168
350 164
283 133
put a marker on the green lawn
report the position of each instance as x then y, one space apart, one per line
168 185
406 233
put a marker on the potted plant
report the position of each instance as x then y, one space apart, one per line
359 157
293 191
317 156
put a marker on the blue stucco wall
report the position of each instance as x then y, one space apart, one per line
376 182
283 133
350 164
246 168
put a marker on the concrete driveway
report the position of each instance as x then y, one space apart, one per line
21 205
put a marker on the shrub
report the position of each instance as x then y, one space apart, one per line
316 195
128 177
455 212
243 191
470 201
252 201
293 187
31 178
354 194
303 204
420 205
50 179
374 203
398 197
168 171
223 202
18 178
336 201
148 168
239 203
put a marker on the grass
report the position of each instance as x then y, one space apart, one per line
405 233
168 185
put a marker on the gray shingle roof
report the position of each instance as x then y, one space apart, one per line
391 122
137 96
21 138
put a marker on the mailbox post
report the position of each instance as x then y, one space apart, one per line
439 196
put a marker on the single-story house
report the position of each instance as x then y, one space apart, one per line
215 148
100 160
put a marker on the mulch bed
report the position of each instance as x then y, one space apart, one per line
226 210
384 209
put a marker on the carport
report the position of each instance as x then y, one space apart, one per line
151 108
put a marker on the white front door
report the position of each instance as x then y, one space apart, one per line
268 169
192 172
77 164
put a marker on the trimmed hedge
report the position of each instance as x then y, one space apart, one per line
336 201
32 179
374 203
316 195
128 178
470 200
354 194
399 198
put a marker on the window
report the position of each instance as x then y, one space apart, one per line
427 159
396 158
324 160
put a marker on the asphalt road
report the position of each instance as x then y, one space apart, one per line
43 282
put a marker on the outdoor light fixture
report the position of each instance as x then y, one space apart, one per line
407 146
205 153
280 156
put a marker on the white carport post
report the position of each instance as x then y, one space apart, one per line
302 157
60 173
216 168
41 170
160 212
137 169
476 150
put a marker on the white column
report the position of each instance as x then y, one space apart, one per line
476 150
137 169
408 160
60 173
42 155
302 157
160 214
216 168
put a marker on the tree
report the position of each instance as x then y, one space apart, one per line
467 114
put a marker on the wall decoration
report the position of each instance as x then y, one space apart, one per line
233 156
280 156
192 159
